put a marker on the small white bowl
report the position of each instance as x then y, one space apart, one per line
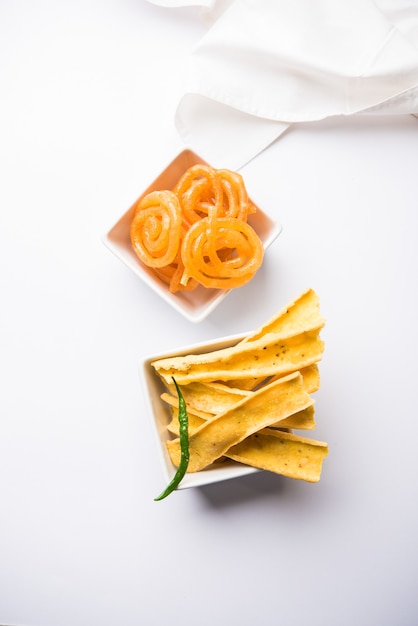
197 304
159 413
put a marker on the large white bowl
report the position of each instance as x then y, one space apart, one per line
194 305
159 414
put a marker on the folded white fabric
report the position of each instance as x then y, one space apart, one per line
266 64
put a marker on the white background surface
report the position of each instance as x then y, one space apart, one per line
88 93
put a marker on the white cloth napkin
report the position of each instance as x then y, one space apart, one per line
266 64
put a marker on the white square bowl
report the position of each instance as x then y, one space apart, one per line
159 413
195 305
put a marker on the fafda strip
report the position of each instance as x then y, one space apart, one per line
268 405
301 420
268 356
243 400
282 453
287 342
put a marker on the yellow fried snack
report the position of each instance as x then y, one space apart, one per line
210 397
282 453
310 375
300 315
205 400
173 402
311 381
244 401
288 342
268 356
195 419
302 420
266 406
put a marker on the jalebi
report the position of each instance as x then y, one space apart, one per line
200 193
221 253
236 202
198 232
156 228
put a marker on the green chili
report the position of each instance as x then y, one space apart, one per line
184 446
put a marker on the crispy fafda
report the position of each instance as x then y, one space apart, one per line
266 406
290 341
245 402
282 453
268 356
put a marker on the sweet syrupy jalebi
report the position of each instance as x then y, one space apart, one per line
197 233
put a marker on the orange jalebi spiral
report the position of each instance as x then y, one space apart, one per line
235 199
200 193
156 228
198 233
222 253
